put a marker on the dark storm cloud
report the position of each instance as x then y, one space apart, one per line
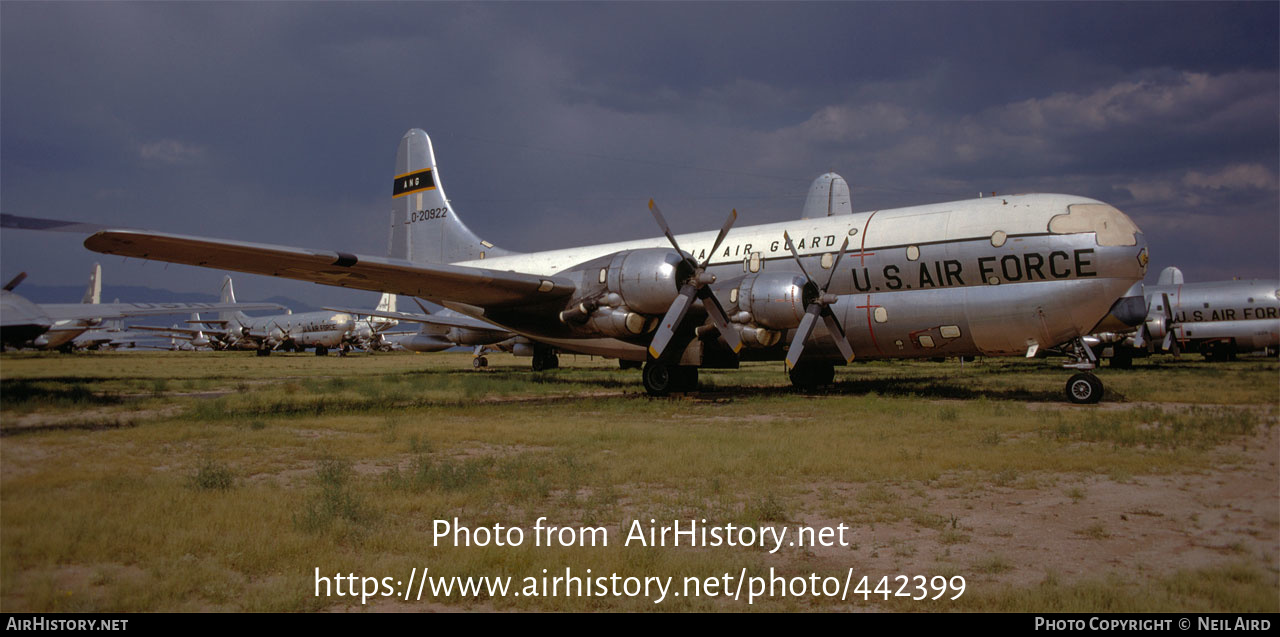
278 122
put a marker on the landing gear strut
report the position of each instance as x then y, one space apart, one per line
1082 388
661 379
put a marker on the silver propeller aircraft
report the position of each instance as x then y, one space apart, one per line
53 325
999 276
319 330
442 330
1215 318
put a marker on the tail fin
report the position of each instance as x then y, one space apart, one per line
1170 276
228 295
828 196
424 227
94 293
387 303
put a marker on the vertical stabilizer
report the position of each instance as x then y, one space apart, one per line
228 295
1170 276
424 227
828 196
387 303
94 292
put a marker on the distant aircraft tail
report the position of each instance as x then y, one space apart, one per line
228 295
387 303
94 293
424 227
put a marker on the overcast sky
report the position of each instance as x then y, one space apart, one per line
555 123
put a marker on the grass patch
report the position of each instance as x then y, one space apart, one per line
269 467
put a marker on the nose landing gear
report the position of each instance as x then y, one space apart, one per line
1082 388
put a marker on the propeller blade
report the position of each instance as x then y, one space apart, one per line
790 246
666 230
1140 338
13 283
837 334
675 314
1168 341
835 264
724 231
720 319
802 334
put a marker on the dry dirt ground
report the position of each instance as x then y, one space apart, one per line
1072 528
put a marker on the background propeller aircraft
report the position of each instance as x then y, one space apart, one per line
323 330
997 276
54 325
445 329
1216 318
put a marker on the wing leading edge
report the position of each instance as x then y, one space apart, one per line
474 286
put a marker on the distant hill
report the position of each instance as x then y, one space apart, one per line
142 294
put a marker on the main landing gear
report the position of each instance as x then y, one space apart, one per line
810 375
479 362
544 358
1082 388
661 379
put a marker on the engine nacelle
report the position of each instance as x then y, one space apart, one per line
1157 327
626 293
773 300
591 317
646 281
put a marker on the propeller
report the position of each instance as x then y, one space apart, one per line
13 283
697 284
819 306
1159 326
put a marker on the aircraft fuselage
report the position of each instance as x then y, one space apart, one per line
988 276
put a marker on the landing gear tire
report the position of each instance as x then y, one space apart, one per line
264 352
479 362
1084 389
661 379
808 376
542 363
322 351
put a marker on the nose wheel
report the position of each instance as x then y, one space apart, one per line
1084 389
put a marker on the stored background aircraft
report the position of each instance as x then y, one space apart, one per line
1218 319
321 330
445 329
52 325
997 276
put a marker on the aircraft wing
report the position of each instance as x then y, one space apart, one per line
431 319
474 286
89 311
